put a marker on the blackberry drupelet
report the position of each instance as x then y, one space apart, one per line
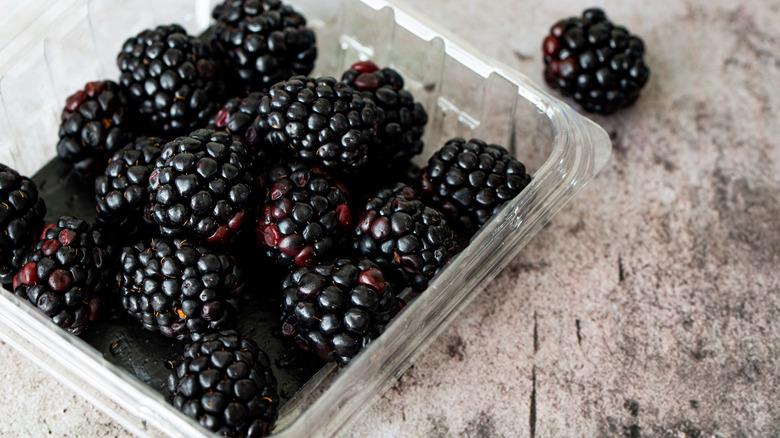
178 288
469 181
407 239
319 120
21 221
122 192
303 214
65 275
174 79
400 120
264 41
595 61
225 382
200 186
240 118
95 123
334 309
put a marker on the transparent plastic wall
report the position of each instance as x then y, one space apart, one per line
51 49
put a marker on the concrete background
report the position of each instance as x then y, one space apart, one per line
648 307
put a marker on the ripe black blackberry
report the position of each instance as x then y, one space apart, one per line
595 61
303 214
95 123
200 186
65 274
173 78
240 117
334 309
319 120
407 239
178 288
400 120
265 41
469 181
122 192
21 221
225 382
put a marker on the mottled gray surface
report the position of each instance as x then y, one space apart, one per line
34 404
648 307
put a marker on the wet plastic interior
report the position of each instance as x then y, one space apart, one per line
52 48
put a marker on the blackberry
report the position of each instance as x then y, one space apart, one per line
303 214
334 309
21 221
400 120
225 382
178 288
122 193
95 123
469 181
200 186
66 272
319 120
174 79
404 237
595 61
240 117
265 41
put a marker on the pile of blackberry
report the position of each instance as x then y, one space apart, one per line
409 239
240 118
600 64
469 181
225 382
179 289
21 221
122 192
321 121
336 308
201 187
96 122
175 80
264 41
400 120
303 215
66 273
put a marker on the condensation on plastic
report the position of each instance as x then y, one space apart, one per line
49 50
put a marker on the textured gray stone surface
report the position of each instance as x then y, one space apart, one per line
35 404
648 307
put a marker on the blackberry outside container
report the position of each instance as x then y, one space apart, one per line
51 48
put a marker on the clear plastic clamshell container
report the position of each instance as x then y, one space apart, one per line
50 49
